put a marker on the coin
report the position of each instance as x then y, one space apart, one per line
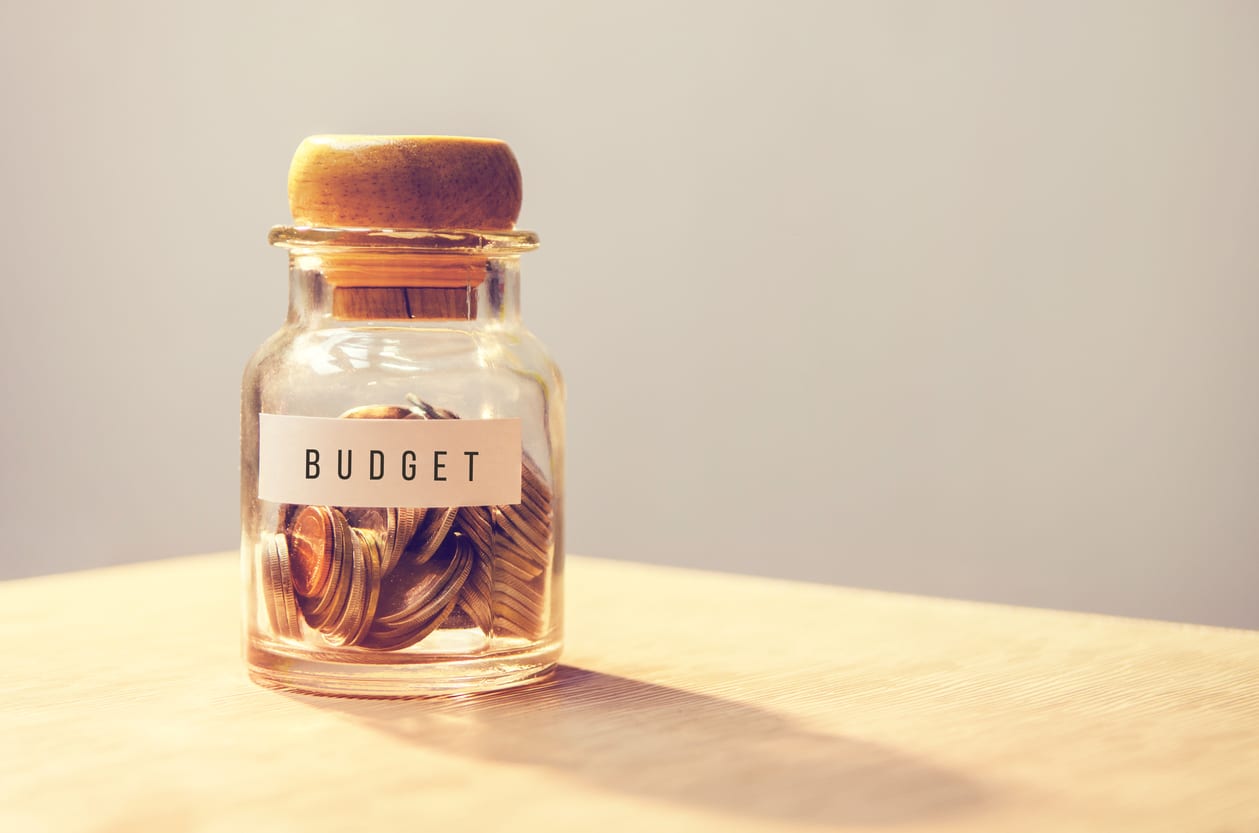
535 519
422 589
293 624
378 412
525 598
420 597
385 578
311 550
520 540
405 521
422 409
533 484
345 626
372 554
511 556
516 567
395 527
328 606
281 604
477 523
396 640
437 524
269 578
367 518
507 622
477 592
535 532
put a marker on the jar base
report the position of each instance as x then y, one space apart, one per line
427 676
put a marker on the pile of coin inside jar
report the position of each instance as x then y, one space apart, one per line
385 578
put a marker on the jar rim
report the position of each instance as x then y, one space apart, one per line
433 241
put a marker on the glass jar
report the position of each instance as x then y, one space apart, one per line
378 557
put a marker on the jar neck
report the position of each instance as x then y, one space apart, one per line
403 288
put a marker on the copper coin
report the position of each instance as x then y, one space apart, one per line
310 550
322 609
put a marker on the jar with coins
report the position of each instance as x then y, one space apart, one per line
402 434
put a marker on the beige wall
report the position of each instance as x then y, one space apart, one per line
949 298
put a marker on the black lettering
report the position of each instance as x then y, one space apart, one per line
438 465
312 464
408 465
471 455
376 465
345 463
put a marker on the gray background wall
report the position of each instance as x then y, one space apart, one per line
946 298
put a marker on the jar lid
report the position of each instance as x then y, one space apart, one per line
404 182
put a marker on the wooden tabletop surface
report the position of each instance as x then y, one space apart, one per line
687 701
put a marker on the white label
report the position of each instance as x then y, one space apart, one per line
388 462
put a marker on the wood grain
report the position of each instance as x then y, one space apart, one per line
689 701
418 182
431 303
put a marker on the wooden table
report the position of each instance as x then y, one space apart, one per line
689 701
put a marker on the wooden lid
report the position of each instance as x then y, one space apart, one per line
419 182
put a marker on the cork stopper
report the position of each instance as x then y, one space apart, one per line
404 182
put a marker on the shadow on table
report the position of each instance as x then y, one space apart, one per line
678 746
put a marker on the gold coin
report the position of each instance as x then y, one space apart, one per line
281 605
526 598
405 521
372 559
533 484
346 625
517 539
406 571
420 590
535 533
426 541
268 579
419 598
520 606
396 640
476 523
510 560
477 592
292 621
409 520
538 521
378 412
517 568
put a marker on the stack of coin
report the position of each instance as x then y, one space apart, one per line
385 578
476 600
523 546
277 586
477 525
437 525
515 543
336 573
420 596
396 528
